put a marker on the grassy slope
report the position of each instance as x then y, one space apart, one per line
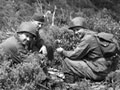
13 13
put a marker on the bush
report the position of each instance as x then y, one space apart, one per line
102 21
26 76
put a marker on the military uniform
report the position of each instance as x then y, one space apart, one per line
39 44
86 60
14 47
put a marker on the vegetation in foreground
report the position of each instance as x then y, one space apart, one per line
32 75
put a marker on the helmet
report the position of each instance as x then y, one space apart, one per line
38 17
77 22
28 27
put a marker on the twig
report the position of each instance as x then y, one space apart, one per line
43 86
71 15
40 5
53 16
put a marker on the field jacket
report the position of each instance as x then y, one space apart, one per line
14 48
89 52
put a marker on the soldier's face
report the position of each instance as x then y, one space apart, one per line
26 38
80 32
40 24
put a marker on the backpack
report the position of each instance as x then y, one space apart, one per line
108 44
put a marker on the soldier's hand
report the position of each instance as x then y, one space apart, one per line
43 50
59 50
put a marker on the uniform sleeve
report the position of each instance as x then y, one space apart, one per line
80 51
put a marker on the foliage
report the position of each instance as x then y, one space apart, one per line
24 76
102 21
27 75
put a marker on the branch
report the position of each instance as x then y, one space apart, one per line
40 5
53 16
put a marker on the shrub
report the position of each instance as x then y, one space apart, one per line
102 21
25 76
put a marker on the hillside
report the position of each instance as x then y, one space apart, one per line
101 15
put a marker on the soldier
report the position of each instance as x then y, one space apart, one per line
77 25
86 60
40 44
17 46
38 19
